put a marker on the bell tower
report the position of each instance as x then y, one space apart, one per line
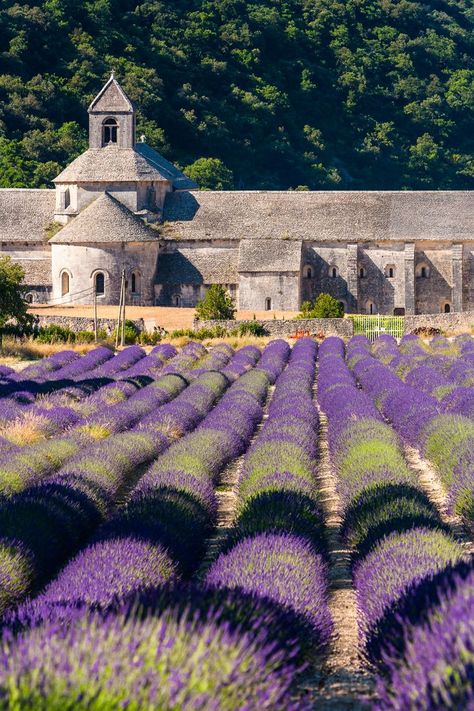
111 118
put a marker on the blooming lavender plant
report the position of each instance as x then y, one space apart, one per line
283 568
434 670
77 368
178 663
397 562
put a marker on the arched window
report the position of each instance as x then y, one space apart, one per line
99 283
109 131
422 271
268 304
308 272
371 308
447 308
333 273
29 298
389 271
177 300
135 283
64 283
362 273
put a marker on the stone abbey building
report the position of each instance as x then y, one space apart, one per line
122 206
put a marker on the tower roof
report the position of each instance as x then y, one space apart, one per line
111 99
110 164
105 220
127 165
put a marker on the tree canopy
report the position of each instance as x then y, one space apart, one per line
325 306
329 94
217 304
12 303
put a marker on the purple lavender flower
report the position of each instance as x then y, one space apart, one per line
168 661
283 568
435 671
111 569
396 563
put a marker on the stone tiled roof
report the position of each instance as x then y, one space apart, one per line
37 271
110 164
198 266
105 220
167 169
270 255
337 216
24 214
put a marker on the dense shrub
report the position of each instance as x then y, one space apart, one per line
55 334
150 338
217 304
201 664
85 337
325 306
429 662
131 333
250 328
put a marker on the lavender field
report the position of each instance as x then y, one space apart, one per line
282 528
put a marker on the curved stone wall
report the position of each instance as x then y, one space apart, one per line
84 262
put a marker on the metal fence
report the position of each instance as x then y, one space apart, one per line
374 326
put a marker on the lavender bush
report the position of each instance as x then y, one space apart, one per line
178 662
435 668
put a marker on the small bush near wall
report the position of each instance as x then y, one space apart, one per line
131 333
85 337
201 334
55 334
426 331
249 328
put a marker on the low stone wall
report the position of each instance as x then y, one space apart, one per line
80 323
284 328
460 322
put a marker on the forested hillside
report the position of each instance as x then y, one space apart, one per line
330 94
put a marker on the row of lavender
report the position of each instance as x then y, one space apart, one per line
413 580
52 506
238 639
111 409
69 386
436 420
276 551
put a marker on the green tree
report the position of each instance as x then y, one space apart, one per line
210 174
12 304
325 306
217 304
324 93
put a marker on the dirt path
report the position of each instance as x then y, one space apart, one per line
431 484
227 494
343 683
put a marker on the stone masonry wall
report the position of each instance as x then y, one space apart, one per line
79 323
459 322
282 328
343 327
